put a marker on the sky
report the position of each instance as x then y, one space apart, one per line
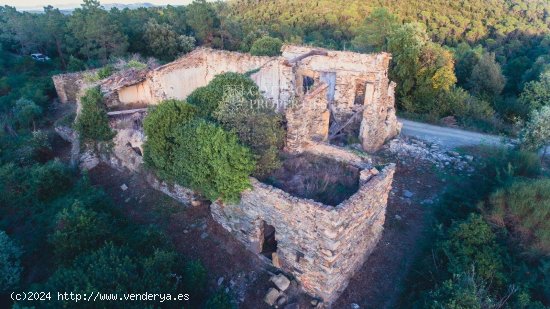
63 3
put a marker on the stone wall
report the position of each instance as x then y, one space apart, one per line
69 86
322 246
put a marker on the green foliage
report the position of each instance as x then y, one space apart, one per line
136 65
26 112
105 72
421 68
164 42
211 161
159 126
536 133
208 98
523 208
78 229
375 31
50 180
266 46
97 36
10 264
257 126
473 243
220 300
93 123
463 291
75 64
195 276
487 79
536 94
202 18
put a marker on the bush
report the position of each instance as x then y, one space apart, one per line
75 64
524 208
50 180
26 112
211 161
105 72
473 243
208 98
258 127
195 277
93 123
159 126
220 300
10 266
266 46
78 230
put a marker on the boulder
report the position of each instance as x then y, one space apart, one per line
281 281
272 296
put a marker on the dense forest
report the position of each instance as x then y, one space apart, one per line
483 65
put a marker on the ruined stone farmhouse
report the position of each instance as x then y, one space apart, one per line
323 94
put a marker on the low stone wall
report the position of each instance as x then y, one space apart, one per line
322 246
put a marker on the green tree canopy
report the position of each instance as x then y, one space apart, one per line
487 79
266 46
159 127
376 29
164 42
536 94
97 35
93 123
211 161
10 264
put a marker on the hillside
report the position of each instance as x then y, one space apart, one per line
446 21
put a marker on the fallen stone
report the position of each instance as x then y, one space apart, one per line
281 281
355 306
469 158
204 235
195 203
398 217
407 194
272 296
220 281
314 302
281 301
124 187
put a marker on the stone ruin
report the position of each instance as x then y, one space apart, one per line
323 95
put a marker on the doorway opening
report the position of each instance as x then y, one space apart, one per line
269 243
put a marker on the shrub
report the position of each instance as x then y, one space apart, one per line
473 243
159 126
211 161
26 112
135 64
258 127
10 266
77 230
266 46
208 98
50 180
524 208
75 64
195 276
93 123
464 290
105 72
536 133
220 300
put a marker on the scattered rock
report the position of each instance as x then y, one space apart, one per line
124 187
469 158
204 235
398 217
196 203
281 281
314 302
272 296
127 200
407 194
281 301
355 306
220 281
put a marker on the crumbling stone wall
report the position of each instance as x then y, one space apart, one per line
69 86
322 246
